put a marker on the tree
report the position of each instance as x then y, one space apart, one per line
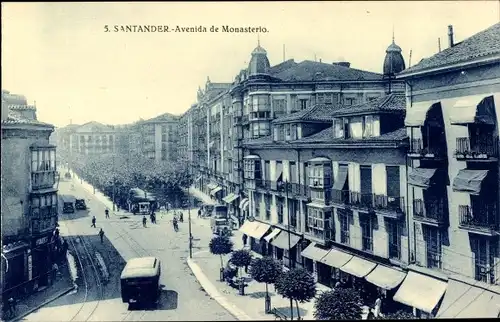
338 304
266 270
297 285
241 258
399 315
221 245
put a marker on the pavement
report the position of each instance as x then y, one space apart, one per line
34 301
250 306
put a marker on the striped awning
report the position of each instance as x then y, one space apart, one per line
215 190
211 186
244 203
230 198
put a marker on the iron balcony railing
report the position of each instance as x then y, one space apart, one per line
484 216
417 147
384 202
477 147
433 209
340 196
362 200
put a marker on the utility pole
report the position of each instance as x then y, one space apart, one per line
189 220
114 174
289 241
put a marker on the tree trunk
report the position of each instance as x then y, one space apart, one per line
267 293
221 262
298 313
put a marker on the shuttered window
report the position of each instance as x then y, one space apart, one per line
393 181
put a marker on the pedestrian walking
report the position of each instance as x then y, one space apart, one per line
181 217
107 213
244 238
144 220
199 213
176 227
101 234
93 222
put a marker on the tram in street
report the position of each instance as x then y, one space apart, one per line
140 280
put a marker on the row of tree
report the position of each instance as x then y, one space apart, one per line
297 285
108 172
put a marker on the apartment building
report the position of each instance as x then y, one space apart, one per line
29 197
453 193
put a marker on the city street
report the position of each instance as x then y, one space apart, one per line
182 297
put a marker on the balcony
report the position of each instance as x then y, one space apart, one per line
430 212
264 184
244 119
418 151
299 190
481 149
481 220
361 200
392 207
340 197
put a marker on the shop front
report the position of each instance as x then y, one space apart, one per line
422 293
257 243
313 254
14 265
285 244
356 269
386 280
39 261
271 251
335 259
233 209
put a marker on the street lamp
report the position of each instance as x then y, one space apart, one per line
114 174
189 220
285 184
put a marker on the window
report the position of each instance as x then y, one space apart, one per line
257 204
349 101
260 129
34 161
347 132
293 172
287 129
267 201
260 103
280 204
344 228
293 129
315 219
484 259
366 234
303 103
164 154
338 128
368 126
164 137
281 132
293 212
249 169
279 107
394 234
432 237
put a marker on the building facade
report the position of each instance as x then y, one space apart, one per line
388 182
453 193
29 197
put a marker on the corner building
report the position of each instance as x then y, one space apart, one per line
452 121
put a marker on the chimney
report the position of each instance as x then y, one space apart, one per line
450 35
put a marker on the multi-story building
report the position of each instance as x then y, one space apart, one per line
453 194
29 196
156 138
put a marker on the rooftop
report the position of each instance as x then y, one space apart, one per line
307 71
481 45
165 117
318 112
390 103
326 136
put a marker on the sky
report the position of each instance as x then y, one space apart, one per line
59 55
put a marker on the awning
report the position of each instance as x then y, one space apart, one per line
215 190
358 267
416 114
43 191
244 203
421 177
197 179
314 252
420 291
462 300
466 111
248 227
230 198
281 241
469 181
273 234
336 258
385 277
341 178
260 230
211 186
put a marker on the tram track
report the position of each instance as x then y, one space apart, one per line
83 254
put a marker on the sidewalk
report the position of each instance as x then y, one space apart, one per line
251 306
61 286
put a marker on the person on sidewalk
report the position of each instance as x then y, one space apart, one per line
107 213
93 222
244 238
101 234
176 227
199 213
181 217
144 220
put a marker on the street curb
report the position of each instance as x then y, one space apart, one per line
214 293
53 298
